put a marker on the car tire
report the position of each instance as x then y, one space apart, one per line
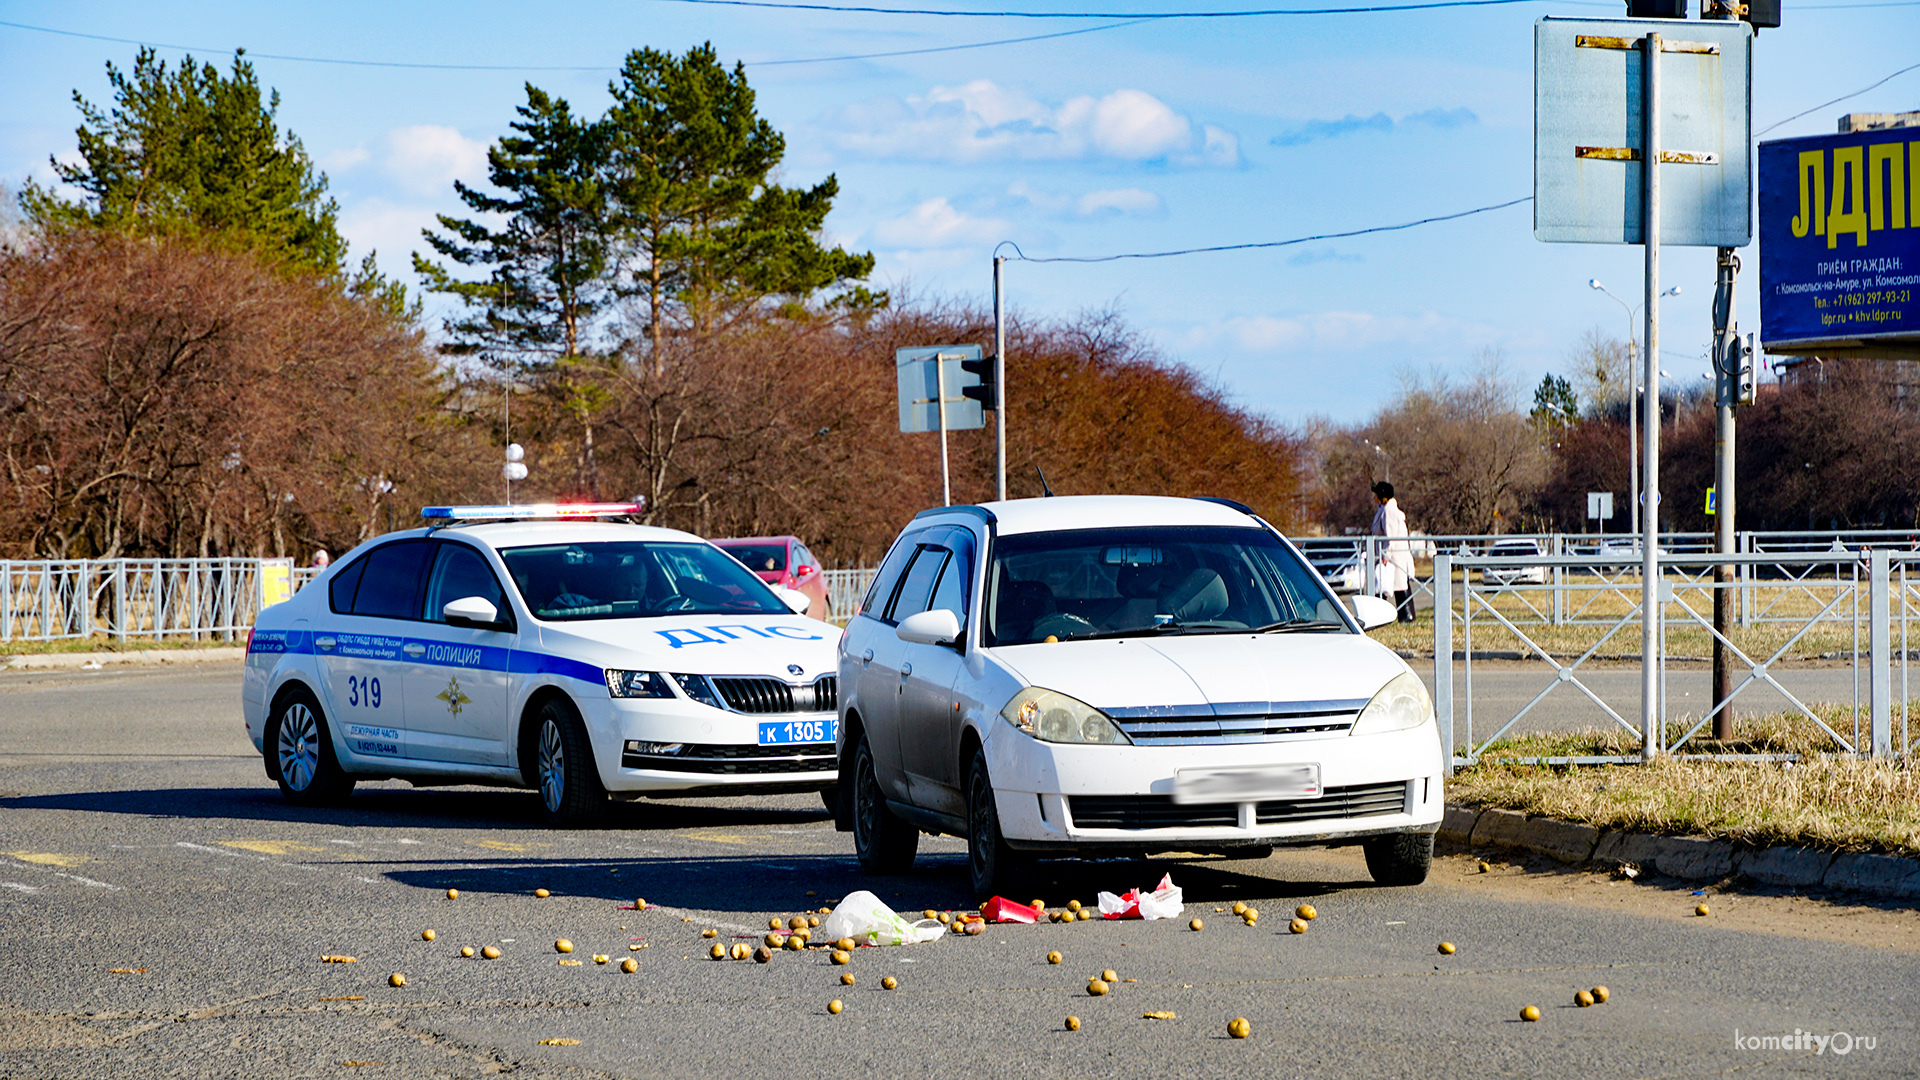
992 865
299 753
570 790
884 843
1400 859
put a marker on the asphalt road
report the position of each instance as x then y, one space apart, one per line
163 913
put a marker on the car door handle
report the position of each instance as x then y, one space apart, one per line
323 643
414 648
906 670
867 656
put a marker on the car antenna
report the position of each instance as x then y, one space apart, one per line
1048 491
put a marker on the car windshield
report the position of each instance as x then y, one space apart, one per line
634 579
759 558
1150 581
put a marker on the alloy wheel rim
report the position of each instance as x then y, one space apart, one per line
977 851
863 801
553 760
299 747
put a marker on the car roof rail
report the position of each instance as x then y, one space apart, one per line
980 512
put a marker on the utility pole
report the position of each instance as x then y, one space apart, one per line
1726 385
1652 711
1000 372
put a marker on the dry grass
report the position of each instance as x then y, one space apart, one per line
107 643
1824 800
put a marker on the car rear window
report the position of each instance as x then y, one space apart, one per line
760 558
390 587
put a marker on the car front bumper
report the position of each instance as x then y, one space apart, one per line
645 746
1057 796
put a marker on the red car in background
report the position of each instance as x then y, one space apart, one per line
783 561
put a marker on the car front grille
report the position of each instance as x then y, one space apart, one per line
770 696
1359 800
1137 812
737 760
1251 722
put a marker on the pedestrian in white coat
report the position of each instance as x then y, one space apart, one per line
1395 571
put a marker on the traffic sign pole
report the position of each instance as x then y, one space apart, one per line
1651 737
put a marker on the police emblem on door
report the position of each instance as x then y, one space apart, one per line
453 697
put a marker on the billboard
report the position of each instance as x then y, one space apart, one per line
1839 245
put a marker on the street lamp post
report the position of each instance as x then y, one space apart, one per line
1633 400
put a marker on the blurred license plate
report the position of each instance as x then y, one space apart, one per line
1250 783
791 732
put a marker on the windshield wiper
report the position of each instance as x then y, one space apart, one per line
1287 626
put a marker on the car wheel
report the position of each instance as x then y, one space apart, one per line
884 843
993 865
570 790
300 754
1400 859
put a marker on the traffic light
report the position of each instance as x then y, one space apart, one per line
1656 9
1761 13
1743 372
987 390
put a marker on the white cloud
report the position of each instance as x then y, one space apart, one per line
935 223
426 158
394 231
1333 331
981 121
339 161
1122 201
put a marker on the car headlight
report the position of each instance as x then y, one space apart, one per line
1052 717
641 684
699 689
1401 704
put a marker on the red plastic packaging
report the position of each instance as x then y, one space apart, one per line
1001 909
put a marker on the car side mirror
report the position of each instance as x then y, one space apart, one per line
936 627
793 598
476 612
1372 611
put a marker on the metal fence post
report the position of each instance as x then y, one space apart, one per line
1879 653
1443 652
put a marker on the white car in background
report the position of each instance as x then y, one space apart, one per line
1111 675
1515 547
536 647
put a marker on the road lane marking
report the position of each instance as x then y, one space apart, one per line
36 865
65 862
275 847
262 858
17 885
502 845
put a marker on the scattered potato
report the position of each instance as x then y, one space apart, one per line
1446 948
453 894
1110 976
709 933
1529 1014
1484 868
774 941
1239 1028
1085 914
846 978
796 943
813 921
845 944
834 1006
542 893
1307 912
426 935
1239 907
466 950
599 958
762 955
563 962
776 924
1701 910
396 979
741 951
798 922
1053 957
563 946
1073 906
718 952
1097 987
890 983
1196 925
1298 926
490 953
930 914
1073 1023
639 903
1160 1014
629 966
1583 998
1600 995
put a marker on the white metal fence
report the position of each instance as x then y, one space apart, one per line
129 599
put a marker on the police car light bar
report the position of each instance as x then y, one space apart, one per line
530 511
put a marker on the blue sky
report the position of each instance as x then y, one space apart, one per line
1142 137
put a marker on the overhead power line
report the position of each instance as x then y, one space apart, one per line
1116 15
1021 256
952 48
1836 101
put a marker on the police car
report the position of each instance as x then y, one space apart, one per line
1121 675
536 646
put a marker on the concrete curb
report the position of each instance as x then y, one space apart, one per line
98 660
1689 858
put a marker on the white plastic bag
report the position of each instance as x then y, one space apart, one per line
1164 902
864 918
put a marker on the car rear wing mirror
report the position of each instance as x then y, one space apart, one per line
1372 611
936 627
793 598
473 611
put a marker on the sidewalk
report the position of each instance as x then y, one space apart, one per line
95 661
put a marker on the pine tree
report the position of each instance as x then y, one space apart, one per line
189 151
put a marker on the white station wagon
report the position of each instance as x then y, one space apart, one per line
583 658
1125 675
